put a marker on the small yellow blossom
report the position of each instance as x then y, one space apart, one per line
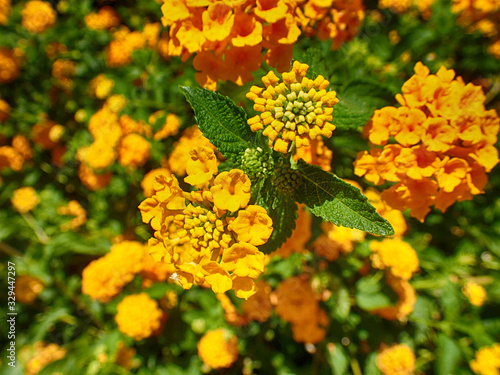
133 151
105 18
150 178
38 16
475 293
28 288
74 209
297 110
138 316
25 199
395 255
487 360
396 360
170 128
42 355
218 349
101 86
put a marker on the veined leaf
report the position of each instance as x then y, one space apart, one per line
357 101
220 120
338 202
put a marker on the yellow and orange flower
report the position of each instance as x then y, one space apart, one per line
138 316
218 349
38 16
396 360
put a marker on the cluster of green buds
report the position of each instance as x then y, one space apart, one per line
256 163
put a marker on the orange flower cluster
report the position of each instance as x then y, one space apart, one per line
475 293
5 7
41 355
62 70
297 110
24 199
104 278
296 303
487 360
4 110
482 16
211 234
119 51
14 156
105 19
73 209
316 154
28 288
444 143
101 86
296 243
402 6
396 360
228 38
10 65
139 316
218 349
38 16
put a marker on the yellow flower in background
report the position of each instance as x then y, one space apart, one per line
475 293
24 199
73 209
5 7
4 110
105 18
199 232
28 288
296 243
134 151
298 109
101 86
38 16
138 316
41 355
395 255
487 360
170 128
104 278
396 360
218 349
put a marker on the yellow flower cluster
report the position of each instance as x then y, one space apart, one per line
316 154
482 16
24 199
119 50
5 7
115 138
106 18
228 38
101 86
104 278
138 316
297 110
28 288
211 234
42 355
475 293
218 349
444 143
14 156
169 128
402 6
487 360
396 360
10 65
73 209
38 16
296 303
395 255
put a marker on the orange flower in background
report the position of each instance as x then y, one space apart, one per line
101 86
38 16
41 354
296 243
445 143
73 209
104 19
218 349
4 110
133 151
396 360
138 316
296 110
208 234
28 288
228 37
10 65
406 303
5 7
395 255
93 180
295 302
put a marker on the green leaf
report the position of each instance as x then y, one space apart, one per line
338 360
357 101
338 202
371 294
448 355
220 120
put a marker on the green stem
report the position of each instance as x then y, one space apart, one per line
495 89
9 250
42 236
356 370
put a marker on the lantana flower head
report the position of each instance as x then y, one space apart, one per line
444 143
218 349
487 360
396 360
209 235
138 316
298 109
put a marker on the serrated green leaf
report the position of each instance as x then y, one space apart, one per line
338 202
357 101
220 120
338 360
